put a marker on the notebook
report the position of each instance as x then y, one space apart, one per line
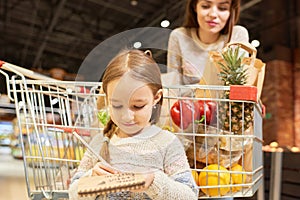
100 185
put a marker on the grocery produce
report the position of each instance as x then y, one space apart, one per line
195 175
50 151
184 112
206 111
79 152
220 177
103 116
238 177
234 116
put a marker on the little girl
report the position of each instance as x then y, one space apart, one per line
131 142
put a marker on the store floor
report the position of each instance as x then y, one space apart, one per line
12 178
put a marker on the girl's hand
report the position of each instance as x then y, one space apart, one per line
102 169
148 181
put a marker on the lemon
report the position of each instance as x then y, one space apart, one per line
238 178
208 178
195 176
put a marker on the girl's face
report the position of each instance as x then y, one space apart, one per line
212 15
130 104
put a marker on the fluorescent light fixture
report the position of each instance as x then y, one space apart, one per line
137 45
165 23
255 43
134 2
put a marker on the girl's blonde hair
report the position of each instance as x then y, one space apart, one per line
140 66
190 18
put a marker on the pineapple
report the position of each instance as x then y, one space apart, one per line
234 116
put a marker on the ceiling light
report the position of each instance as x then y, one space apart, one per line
134 2
137 45
165 23
255 43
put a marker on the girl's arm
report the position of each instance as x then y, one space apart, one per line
179 186
176 182
85 168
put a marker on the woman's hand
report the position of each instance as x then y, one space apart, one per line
102 169
149 177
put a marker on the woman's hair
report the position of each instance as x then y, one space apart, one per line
190 18
140 66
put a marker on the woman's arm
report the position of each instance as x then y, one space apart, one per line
239 34
174 61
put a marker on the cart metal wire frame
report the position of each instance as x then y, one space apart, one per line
233 136
49 110
48 113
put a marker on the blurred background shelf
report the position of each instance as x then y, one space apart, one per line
12 178
7 111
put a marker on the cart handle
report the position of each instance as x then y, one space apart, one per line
24 72
1 63
7 80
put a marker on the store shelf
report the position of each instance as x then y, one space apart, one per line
7 111
7 108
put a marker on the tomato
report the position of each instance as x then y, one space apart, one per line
213 110
184 112
207 110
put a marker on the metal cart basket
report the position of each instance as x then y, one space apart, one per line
49 111
222 133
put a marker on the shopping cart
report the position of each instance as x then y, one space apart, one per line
50 112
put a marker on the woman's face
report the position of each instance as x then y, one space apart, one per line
212 15
130 104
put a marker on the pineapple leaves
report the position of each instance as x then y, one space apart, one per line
232 70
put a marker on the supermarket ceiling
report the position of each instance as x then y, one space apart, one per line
43 34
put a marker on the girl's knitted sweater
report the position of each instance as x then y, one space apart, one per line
153 150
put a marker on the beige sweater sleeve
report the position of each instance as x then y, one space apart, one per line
85 169
239 34
165 188
174 60
176 182
73 195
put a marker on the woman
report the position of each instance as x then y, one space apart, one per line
208 26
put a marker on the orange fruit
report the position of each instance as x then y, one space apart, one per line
238 178
195 176
209 178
